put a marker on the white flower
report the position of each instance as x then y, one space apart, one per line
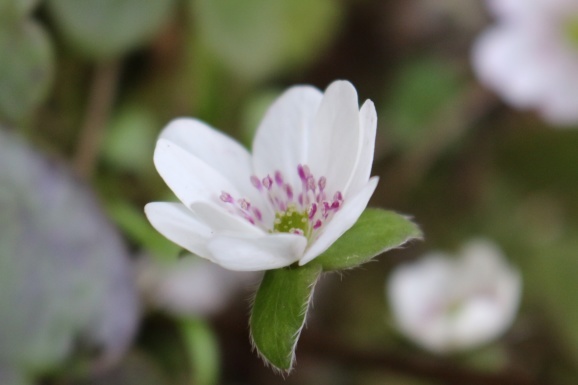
306 183
530 57
447 305
190 286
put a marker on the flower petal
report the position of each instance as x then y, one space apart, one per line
253 253
362 170
341 221
190 178
177 224
216 149
335 136
281 140
509 61
219 220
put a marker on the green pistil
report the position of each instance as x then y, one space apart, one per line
291 220
571 31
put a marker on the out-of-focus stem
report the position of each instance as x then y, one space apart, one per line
100 100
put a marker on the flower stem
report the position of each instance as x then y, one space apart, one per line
101 98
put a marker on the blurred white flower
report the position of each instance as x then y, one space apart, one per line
530 57
190 286
447 305
306 183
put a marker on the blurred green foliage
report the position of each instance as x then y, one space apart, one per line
106 28
257 38
476 168
26 69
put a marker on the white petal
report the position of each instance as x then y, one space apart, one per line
191 286
190 178
341 221
448 304
254 253
176 223
523 10
418 294
220 220
216 149
512 61
281 140
362 169
335 136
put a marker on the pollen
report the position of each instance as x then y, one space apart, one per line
291 221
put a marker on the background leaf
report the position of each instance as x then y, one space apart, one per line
14 10
417 97
203 351
375 232
65 278
106 28
26 69
254 38
279 312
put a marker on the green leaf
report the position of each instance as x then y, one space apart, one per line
65 276
26 69
375 232
423 88
279 312
133 222
255 38
136 125
107 28
203 349
12 11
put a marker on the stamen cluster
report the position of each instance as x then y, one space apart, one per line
303 210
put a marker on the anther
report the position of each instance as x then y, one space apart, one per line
322 183
278 178
312 210
245 205
226 197
267 182
288 192
256 182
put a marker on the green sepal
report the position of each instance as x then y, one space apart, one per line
279 312
376 231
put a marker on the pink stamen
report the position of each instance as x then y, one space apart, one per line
226 197
322 183
245 205
256 182
278 178
309 198
267 182
312 210
310 183
289 192
303 172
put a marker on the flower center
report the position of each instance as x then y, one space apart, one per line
302 209
291 221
